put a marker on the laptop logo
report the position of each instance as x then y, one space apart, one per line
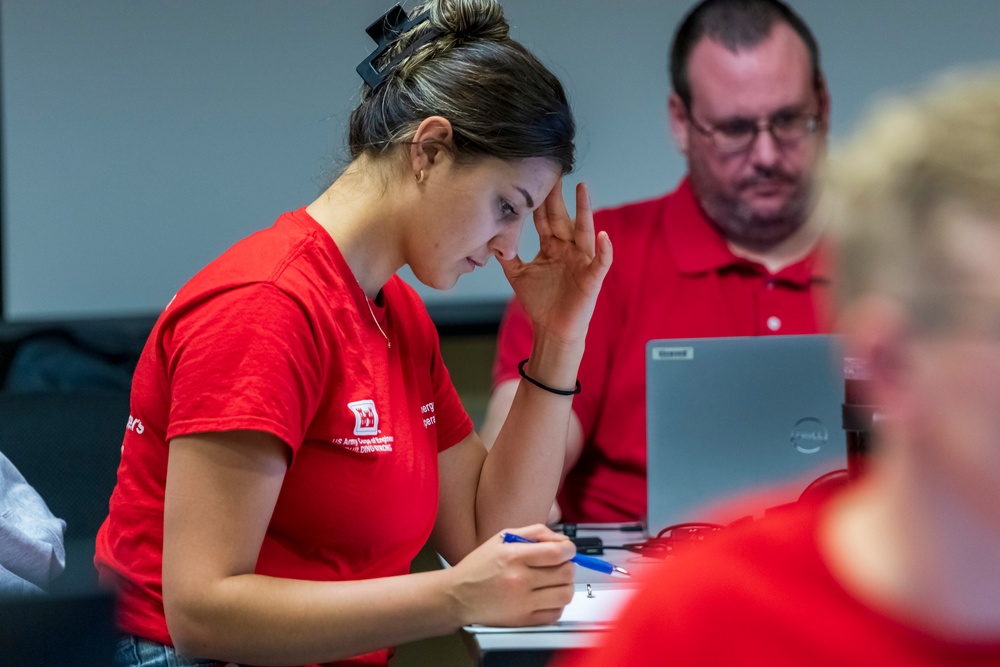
809 435
673 353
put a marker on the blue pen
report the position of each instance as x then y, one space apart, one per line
588 562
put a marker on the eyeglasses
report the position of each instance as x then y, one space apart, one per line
739 134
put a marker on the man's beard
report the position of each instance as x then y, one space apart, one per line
738 223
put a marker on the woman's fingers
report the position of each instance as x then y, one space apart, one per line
571 263
584 227
543 214
516 583
554 216
604 255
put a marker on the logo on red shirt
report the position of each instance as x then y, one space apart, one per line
365 417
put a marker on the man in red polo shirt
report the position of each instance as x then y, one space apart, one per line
733 251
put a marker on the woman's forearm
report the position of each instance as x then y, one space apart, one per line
521 474
261 620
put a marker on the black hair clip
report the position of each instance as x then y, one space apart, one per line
385 30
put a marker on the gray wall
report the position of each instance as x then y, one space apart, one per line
142 138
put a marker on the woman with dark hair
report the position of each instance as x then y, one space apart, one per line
294 436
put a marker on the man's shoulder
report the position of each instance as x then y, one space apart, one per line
646 231
644 217
635 213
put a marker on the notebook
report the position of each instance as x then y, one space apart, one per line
727 416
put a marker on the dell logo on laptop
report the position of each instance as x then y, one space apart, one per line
809 435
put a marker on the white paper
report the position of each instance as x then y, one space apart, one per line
582 613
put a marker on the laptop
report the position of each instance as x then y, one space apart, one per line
727 417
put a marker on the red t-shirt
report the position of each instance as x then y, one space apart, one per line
763 595
277 336
673 277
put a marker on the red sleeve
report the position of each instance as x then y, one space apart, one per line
243 359
514 341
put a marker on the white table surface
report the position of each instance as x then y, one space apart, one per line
586 619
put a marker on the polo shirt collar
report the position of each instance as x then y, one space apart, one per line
698 248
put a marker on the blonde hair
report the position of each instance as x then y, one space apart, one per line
920 168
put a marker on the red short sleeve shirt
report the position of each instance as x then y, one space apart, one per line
277 336
673 277
765 595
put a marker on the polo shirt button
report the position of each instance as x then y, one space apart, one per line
773 323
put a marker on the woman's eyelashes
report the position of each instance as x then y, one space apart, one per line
507 209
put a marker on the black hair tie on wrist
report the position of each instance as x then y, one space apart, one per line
559 392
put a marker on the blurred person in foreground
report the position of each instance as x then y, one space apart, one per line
900 567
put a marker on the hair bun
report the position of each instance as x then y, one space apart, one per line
452 24
470 19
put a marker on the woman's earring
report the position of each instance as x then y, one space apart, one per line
420 177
